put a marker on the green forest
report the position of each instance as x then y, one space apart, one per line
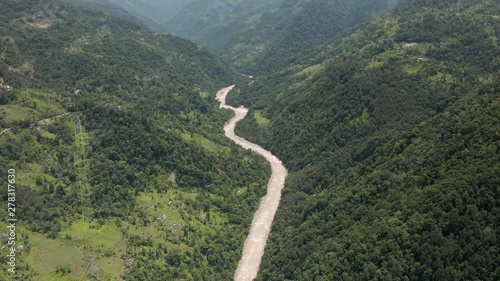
391 135
122 167
386 115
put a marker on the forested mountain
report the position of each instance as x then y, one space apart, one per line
388 123
391 137
237 30
259 36
121 167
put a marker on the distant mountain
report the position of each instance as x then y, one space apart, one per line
256 36
121 11
260 35
159 11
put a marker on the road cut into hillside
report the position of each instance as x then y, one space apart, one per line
255 243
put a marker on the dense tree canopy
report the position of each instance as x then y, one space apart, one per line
390 136
389 128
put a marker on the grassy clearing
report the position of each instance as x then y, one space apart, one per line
440 77
380 59
44 103
241 190
207 144
96 236
31 105
48 135
412 58
375 63
310 71
14 112
163 224
30 172
110 268
168 207
166 222
74 244
82 140
47 254
260 119
412 68
104 242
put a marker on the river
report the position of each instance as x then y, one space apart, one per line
253 250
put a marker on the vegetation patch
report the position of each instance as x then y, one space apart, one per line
47 255
14 112
207 144
260 119
310 71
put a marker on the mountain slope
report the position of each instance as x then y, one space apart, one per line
122 170
260 35
390 135
418 204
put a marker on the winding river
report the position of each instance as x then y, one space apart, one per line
255 243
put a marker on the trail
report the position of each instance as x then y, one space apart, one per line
40 122
255 243
5 131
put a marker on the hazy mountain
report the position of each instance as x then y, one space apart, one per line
159 11
259 35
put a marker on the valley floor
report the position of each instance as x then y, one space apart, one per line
253 250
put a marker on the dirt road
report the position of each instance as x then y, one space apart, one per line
263 218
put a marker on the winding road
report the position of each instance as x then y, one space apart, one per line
255 243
